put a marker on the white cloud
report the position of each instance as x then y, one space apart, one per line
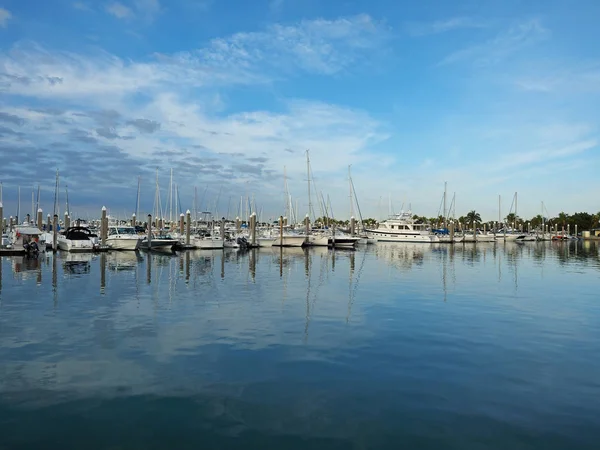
5 16
119 10
82 6
504 45
443 26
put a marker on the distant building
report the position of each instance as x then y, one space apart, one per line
595 232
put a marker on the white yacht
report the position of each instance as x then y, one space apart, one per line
207 242
402 228
123 238
77 239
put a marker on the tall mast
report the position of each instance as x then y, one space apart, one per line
308 181
67 199
445 212
499 210
55 210
137 201
350 191
286 193
38 199
18 204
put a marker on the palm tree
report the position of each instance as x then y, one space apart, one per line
473 217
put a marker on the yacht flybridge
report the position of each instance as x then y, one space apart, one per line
402 228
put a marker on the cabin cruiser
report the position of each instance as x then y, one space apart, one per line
28 238
77 239
402 228
123 238
159 242
342 240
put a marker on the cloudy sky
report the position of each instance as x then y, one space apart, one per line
491 97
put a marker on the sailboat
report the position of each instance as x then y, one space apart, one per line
160 241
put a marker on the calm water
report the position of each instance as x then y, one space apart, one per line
395 346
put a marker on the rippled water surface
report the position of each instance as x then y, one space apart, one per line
391 346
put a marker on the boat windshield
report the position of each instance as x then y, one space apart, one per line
122 230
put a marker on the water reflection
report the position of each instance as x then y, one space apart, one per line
296 335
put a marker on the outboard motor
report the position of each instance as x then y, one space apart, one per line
242 242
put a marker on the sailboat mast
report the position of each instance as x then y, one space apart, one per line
350 192
38 199
18 203
67 199
445 212
55 212
499 210
32 203
286 193
308 181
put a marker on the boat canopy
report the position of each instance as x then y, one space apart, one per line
28 230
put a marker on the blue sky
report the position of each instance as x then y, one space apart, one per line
492 97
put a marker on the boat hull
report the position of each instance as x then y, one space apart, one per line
386 236
72 246
122 243
208 244
289 241
265 242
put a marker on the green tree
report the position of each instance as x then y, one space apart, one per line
473 217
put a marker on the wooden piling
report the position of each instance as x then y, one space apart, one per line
67 220
49 225
149 230
103 226
40 220
188 224
575 230
10 224
352 226
28 219
133 223
181 224
238 225
55 233
281 231
307 229
452 232
253 229
222 228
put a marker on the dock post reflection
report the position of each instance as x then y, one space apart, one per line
252 262
1 262
222 265
102 272
38 277
187 267
280 262
54 278
149 268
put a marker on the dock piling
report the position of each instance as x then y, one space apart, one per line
181 224
281 231
40 220
103 227
188 223
67 220
149 230
55 233
133 220
352 226
253 229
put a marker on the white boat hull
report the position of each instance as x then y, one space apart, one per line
265 242
69 245
479 238
289 241
318 240
123 243
208 244
388 236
